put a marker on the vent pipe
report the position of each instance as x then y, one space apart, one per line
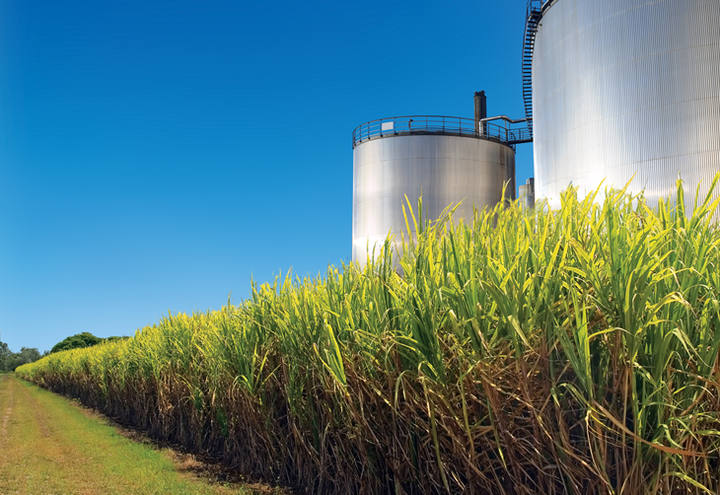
480 112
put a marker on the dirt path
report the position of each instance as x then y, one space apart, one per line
48 445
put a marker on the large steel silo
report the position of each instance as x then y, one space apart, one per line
445 160
625 88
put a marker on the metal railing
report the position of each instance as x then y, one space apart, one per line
534 5
439 124
537 5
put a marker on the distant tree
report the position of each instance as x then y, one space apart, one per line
10 360
84 339
29 354
5 355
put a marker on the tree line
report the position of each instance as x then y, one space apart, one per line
10 360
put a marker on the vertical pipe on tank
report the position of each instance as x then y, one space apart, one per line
480 112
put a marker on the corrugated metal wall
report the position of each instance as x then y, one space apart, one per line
443 169
623 88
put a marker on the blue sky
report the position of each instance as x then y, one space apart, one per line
156 155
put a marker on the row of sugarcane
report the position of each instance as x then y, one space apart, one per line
549 351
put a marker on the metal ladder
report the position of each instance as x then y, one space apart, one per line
532 21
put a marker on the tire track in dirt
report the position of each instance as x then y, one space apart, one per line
41 419
10 397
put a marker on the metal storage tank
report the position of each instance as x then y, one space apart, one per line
527 194
623 88
443 159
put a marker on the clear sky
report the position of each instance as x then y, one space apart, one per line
156 155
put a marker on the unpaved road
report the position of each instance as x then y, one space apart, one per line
49 445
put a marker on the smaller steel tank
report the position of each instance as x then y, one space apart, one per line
446 160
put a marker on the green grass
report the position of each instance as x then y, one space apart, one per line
564 351
49 445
